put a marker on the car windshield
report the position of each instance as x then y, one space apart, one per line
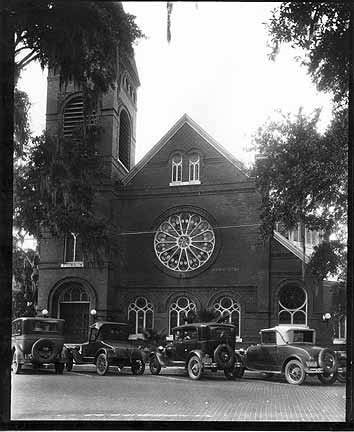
114 332
302 336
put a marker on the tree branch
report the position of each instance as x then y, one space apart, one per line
27 59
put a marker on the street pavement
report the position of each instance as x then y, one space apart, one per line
171 396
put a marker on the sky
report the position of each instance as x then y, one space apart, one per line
216 69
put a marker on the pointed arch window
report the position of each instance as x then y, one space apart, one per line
177 168
292 305
124 139
230 309
141 313
178 312
194 168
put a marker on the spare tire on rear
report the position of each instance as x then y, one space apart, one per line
327 360
224 356
44 351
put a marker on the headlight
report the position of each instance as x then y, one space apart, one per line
160 348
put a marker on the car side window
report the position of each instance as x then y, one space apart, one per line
190 334
16 328
268 338
93 335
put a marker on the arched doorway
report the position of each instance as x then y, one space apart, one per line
72 302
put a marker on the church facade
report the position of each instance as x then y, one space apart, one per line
187 221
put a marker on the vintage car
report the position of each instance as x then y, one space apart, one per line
197 347
38 341
108 345
291 350
340 348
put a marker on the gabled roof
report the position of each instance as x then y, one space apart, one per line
185 119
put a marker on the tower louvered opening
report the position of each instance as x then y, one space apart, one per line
73 115
124 139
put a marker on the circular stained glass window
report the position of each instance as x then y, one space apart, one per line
184 242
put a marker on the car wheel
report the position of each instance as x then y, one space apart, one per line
224 356
138 367
229 374
195 368
15 365
154 365
69 365
342 377
328 361
43 351
59 368
295 372
102 364
327 378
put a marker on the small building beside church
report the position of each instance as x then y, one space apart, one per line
187 221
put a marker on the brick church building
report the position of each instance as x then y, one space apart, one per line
187 227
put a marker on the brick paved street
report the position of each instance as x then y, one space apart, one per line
83 395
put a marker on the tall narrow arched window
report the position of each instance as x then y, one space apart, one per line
228 308
124 139
176 168
178 312
292 305
73 248
194 167
73 115
141 313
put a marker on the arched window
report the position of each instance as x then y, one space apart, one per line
73 248
194 167
176 168
178 312
73 115
124 139
230 310
141 313
292 305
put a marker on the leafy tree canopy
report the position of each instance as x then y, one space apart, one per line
52 194
302 175
78 39
322 30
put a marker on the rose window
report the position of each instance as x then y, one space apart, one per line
184 242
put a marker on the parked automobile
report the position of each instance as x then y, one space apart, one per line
198 347
38 341
291 350
108 345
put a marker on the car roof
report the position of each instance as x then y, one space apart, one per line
39 318
202 324
286 328
99 324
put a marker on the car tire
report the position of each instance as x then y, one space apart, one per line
224 356
229 374
59 368
295 372
43 351
15 365
328 360
102 364
195 368
342 377
138 367
327 378
154 366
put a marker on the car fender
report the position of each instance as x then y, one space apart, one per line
109 353
292 357
196 352
19 353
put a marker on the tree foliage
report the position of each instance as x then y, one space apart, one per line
328 259
77 39
22 130
302 175
322 30
55 189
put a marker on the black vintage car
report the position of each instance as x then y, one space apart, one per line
291 350
197 347
108 345
38 341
